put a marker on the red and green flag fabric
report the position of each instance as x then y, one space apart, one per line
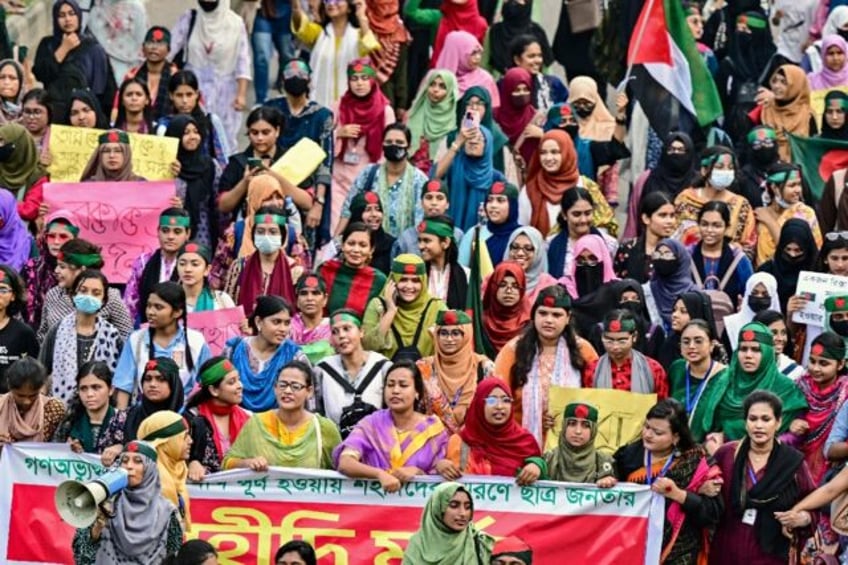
670 78
481 267
818 159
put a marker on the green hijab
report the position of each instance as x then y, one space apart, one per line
578 464
723 407
22 168
433 121
435 544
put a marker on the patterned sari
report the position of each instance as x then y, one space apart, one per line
742 228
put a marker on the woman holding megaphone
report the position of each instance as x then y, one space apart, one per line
142 526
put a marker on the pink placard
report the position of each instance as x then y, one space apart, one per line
217 326
120 217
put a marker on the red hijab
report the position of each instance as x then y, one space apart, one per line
369 112
502 323
495 450
458 17
514 115
544 187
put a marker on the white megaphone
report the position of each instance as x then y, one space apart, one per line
77 501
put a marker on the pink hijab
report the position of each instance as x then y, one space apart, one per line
598 247
825 78
459 45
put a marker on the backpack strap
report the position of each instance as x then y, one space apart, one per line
345 384
418 328
731 269
696 276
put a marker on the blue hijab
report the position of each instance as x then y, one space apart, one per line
469 179
666 290
499 233
259 388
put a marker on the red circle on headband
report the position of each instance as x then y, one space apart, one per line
371 198
267 219
549 301
132 447
113 137
615 326
151 365
158 35
422 226
840 302
582 411
748 335
565 110
172 220
450 318
434 186
228 365
817 349
409 269
498 188
358 68
192 248
311 280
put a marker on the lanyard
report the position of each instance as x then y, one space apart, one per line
690 404
456 396
650 478
751 474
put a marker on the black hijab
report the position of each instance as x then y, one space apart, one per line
828 132
750 53
782 268
89 99
674 172
516 22
700 308
137 414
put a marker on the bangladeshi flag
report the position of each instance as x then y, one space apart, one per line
818 159
670 79
481 267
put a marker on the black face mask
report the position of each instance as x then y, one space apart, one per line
6 152
665 267
584 111
840 327
394 153
843 33
588 278
514 11
573 130
791 260
759 303
208 6
296 86
678 162
765 157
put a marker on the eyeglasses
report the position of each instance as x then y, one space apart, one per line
495 400
508 287
295 387
836 236
455 334
527 249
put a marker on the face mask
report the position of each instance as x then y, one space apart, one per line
843 33
759 303
572 130
765 157
513 11
589 278
679 163
632 305
6 152
394 153
584 111
787 258
520 101
665 267
208 6
87 304
296 86
267 244
781 202
722 178
840 327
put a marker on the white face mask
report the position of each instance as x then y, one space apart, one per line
781 202
722 178
267 244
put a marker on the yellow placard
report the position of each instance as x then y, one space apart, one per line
300 161
817 102
620 414
72 147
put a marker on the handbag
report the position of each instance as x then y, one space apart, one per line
584 15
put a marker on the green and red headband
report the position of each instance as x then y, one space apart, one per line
361 68
626 325
548 300
114 136
836 304
580 411
266 218
170 430
761 133
165 366
158 34
782 177
345 315
752 20
748 334
310 281
365 199
79 260
819 350
168 221
453 318
501 188
138 446
199 248
434 186
65 224
216 373
404 268
436 227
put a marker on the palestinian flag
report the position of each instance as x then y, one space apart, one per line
818 159
670 79
481 267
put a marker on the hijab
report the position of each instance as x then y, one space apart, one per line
826 78
734 322
600 124
486 121
94 170
665 290
196 170
260 189
517 22
88 98
598 247
457 372
515 115
458 17
466 175
673 172
436 544
145 408
543 187
459 46
369 112
10 110
751 52
786 271
791 115
539 265
502 323
253 282
433 121
498 240
504 447
15 240
22 169
576 464
841 99
409 314
166 432
215 39
22 427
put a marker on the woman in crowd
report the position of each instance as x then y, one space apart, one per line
627 294
547 353
351 282
142 522
761 153
21 172
575 459
289 436
36 116
12 90
17 338
586 283
437 245
763 478
111 161
478 101
90 411
80 337
633 259
578 216
552 172
796 251
785 107
463 56
15 240
506 308
135 113
760 294
432 117
527 50
833 73
783 343
168 433
526 246
669 461
447 535
517 117
84 111
366 207
394 444
259 358
690 305
834 125
120 28
672 277
26 414
193 271
72 58
500 209
451 374
396 322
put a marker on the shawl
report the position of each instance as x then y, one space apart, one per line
258 394
368 112
794 230
433 121
828 132
22 169
146 408
409 314
598 247
641 376
791 115
238 417
15 240
94 170
349 287
673 173
260 189
457 372
81 429
497 450
328 60
22 427
734 322
459 46
119 26
665 290
435 543
826 78
600 125
516 21
502 323
513 115
66 362
384 20
723 402
578 464
141 516
498 241
215 39
260 437
377 443
824 404
173 470
250 281
10 110
543 187
677 376
458 16
197 170
470 174
538 268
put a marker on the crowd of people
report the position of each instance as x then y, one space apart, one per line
480 233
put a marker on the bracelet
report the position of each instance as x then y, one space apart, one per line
319 200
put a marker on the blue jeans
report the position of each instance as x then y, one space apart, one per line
269 34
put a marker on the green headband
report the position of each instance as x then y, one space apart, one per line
753 21
403 268
453 318
503 189
166 366
216 373
580 411
819 350
65 224
114 136
434 186
785 176
760 133
346 316
436 227
362 69
138 446
551 301
80 259
628 325
168 431
5 278
836 304
759 337
841 102
174 221
199 248
269 219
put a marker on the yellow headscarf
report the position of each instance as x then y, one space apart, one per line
260 189
600 125
167 432
409 314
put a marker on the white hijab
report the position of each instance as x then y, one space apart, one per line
329 66
215 39
734 323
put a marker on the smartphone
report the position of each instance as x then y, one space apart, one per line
471 120
395 297
255 163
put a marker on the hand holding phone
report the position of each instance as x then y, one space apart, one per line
255 163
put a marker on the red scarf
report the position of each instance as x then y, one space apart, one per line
238 418
458 17
368 112
501 323
250 282
504 447
513 116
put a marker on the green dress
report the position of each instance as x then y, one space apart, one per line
694 404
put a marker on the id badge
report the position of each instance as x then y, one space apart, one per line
351 158
750 516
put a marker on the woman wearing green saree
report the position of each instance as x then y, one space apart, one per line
289 436
719 415
447 535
